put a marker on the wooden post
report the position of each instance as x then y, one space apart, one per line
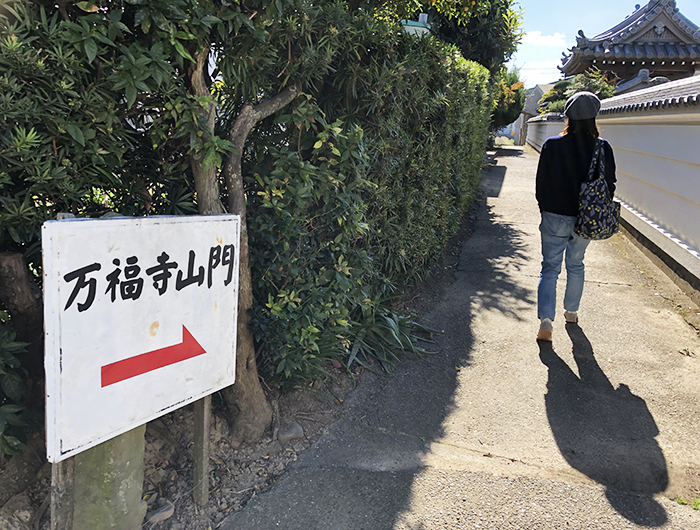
202 424
202 408
62 493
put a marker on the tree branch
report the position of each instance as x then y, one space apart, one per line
247 118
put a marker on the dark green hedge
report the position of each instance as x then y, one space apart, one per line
352 191
426 149
346 215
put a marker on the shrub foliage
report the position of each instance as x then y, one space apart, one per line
555 99
345 213
352 189
509 98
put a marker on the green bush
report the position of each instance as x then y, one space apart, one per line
309 265
69 144
490 38
555 99
427 154
343 216
15 417
509 98
352 191
62 136
425 112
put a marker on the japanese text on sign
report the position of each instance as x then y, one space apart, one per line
131 285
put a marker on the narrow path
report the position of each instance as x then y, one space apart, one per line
598 431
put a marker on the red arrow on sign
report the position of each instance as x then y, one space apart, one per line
147 362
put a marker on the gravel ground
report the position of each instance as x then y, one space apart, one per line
236 475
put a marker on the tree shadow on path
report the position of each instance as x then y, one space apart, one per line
608 434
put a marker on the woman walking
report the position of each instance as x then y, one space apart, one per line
563 167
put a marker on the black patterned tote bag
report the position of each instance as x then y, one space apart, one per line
598 214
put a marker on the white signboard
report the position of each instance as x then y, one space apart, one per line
140 319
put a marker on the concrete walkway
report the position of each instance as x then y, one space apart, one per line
598 431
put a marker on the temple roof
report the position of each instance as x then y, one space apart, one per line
655 32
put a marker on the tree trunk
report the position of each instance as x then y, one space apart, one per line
22 298
206 182
253 412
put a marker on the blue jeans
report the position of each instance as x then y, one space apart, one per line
558 237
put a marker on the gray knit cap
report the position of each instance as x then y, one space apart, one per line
582 106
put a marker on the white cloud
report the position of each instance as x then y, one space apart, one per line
537 39
537 72
541 65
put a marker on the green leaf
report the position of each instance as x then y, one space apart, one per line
208 20
104 40
12 385
130 95
90 49
12 445
181 50
140 16
10 409
185 35
209 158
8 416
76 133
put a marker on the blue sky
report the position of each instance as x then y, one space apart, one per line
551 27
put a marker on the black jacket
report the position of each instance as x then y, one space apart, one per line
563 166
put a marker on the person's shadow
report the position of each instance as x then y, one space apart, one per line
605 433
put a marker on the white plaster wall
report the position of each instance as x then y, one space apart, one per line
539 131
658 167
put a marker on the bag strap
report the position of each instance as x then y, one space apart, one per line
594 160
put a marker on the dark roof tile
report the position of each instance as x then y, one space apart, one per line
682 93
614 41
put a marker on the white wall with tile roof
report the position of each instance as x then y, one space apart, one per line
657 152
655 134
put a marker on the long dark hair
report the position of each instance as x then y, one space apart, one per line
582 128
